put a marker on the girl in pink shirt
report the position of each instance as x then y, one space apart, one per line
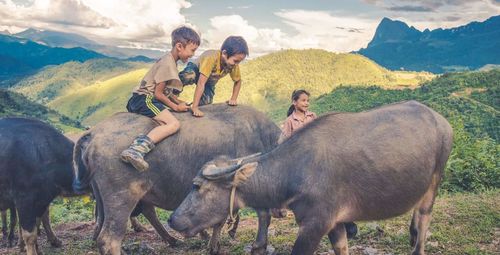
298 114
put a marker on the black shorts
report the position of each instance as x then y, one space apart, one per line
145 105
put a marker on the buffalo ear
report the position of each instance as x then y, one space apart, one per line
244 172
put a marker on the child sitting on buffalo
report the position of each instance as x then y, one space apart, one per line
155 97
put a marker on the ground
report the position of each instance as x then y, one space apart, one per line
462 224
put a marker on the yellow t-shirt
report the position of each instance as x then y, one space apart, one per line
209 64
164 70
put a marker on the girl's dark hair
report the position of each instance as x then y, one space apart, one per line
235 45
295 96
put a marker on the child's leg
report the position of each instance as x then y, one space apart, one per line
143 144
208 94
169 125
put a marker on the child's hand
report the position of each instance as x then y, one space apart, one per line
197 112
232 102
182 107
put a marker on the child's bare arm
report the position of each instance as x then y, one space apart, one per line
164 99
200 87
236 91
176 99
181 105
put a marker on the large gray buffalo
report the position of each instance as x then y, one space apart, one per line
234 131
342 167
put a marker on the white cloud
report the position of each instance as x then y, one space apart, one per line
323 30
314 29
145 24
59 12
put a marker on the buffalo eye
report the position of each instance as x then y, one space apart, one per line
196 186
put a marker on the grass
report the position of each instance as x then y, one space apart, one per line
463 223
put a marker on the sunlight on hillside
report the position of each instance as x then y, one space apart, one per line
99 100
267 82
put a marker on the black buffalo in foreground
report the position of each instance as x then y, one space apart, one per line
35 167
342 167
118 187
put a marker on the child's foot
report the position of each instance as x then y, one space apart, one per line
135 158
136 151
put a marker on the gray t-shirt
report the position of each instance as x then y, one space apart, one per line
164 70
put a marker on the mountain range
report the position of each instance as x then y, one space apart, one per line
398 46
71 40
19 57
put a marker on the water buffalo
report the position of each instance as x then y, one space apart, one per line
35 167
342 167
234 131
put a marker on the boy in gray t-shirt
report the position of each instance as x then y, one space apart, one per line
154 97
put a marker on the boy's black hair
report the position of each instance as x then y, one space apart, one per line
234 45
295 96
185 35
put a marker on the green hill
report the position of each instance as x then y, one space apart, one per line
270 79
267 82
55 81
468 100
99 100
14 104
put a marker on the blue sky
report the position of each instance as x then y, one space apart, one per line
335 25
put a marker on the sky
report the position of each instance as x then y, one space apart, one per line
267 25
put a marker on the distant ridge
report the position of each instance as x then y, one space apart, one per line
398 46
70 40
20 57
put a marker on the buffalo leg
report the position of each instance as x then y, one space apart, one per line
51 237
13 223
232 231
150 214
99 211
311 229
260 244
28 222
422 219
413 228
118 205
136 225
113 230
20 243
338 239
4 224
310 234
213 244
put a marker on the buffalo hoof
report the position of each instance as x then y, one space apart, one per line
204 235
258 251
172 242
56 243
22 246
139 228
262 250
10 243
214 250
232 233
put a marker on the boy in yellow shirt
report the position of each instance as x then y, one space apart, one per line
154 97
211 66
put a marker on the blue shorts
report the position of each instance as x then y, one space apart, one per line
145 105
